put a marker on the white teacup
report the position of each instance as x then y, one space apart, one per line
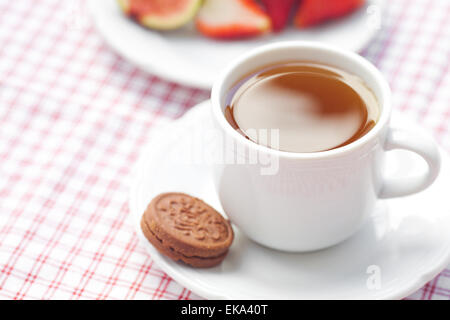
315 200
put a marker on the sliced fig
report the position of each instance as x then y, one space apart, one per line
161 14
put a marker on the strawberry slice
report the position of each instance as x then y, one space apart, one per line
279 12
312 12
231 19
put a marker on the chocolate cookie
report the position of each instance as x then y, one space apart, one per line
186 229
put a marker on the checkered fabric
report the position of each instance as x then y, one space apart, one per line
74 117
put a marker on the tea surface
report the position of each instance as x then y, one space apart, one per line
315 107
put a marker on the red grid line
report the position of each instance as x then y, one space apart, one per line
392 33
418 75
407 49
70 211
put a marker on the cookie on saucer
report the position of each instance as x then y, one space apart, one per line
185 228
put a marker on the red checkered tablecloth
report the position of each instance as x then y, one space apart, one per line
74 117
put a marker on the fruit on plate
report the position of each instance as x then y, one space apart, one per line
231 19
279 12
161 14
312 12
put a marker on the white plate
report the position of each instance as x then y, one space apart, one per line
407 239
187 57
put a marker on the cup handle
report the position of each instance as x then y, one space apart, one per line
425 147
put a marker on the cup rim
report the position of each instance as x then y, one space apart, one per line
384 99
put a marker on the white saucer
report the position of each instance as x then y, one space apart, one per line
187 57
406 241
